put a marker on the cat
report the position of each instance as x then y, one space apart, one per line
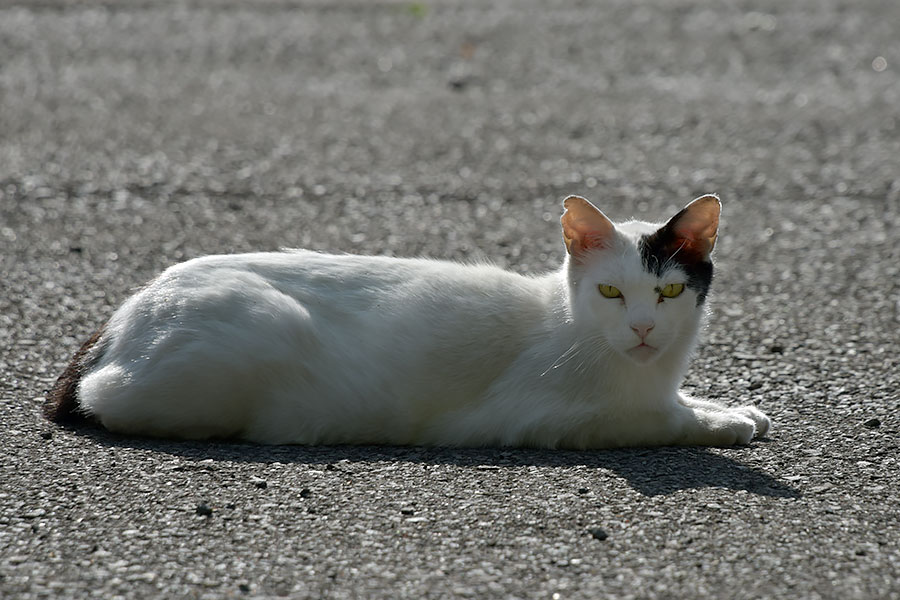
300 347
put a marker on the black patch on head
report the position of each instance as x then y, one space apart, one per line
662 250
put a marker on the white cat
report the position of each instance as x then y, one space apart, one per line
306 348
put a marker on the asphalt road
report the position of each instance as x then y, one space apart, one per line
137 134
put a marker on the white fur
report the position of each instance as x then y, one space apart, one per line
308 348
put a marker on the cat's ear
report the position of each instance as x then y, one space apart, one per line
697 224
585 227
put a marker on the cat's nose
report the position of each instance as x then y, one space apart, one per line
642 328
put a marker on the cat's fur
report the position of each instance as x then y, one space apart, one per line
308 348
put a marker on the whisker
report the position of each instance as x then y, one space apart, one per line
589 351
559 361
594 349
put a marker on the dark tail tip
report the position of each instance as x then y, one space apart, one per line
61 404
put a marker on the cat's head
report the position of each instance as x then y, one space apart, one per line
640 287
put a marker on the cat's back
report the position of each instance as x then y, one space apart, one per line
304 298
352 282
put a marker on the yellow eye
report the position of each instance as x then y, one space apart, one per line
673 290
609 291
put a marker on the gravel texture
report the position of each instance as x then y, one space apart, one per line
137 134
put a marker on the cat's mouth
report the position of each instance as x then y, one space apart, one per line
643 352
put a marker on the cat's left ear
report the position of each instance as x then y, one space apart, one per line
696 226
585 227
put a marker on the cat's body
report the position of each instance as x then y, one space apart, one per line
309 348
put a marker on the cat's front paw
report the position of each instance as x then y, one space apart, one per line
741 428
721 428
760 420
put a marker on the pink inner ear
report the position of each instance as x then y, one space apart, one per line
695 238
699 249
596 240
584 226
699 222
695 228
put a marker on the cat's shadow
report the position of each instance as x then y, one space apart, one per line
649 471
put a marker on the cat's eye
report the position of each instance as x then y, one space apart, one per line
672 290
609 291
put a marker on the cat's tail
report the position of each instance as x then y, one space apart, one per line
61 404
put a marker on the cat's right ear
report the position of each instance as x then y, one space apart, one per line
584 227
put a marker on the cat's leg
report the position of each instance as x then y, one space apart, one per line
760 420
671 423
697 403
699 426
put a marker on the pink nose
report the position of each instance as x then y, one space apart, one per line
642 328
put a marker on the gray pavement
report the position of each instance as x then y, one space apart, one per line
137 134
